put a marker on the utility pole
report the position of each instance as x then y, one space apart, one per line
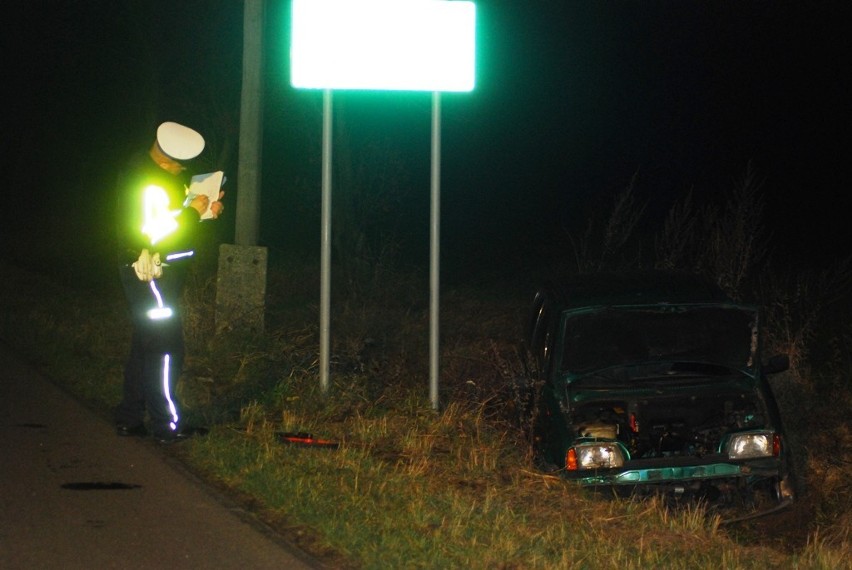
251 128
241 280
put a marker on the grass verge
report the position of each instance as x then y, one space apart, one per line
408 486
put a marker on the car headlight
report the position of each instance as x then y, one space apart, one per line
597 455
750 445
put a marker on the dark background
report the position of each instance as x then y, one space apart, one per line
573 101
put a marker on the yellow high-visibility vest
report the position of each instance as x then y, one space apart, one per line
159 221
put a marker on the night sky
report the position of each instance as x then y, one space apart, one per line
573 100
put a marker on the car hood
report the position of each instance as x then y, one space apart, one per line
591 388
658 341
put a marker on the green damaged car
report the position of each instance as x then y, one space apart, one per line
652 383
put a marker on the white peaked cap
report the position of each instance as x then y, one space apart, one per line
178 141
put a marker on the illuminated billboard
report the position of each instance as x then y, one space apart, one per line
408 45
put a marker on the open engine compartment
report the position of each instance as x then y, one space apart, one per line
667 426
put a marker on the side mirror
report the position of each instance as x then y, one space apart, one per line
776 364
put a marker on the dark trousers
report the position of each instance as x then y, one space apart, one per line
156 351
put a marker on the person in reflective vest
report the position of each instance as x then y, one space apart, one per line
157 232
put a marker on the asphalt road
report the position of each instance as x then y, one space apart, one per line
75 495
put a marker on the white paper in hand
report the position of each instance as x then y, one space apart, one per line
206 185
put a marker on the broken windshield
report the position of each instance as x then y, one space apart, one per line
619 336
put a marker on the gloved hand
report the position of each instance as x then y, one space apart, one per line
148 267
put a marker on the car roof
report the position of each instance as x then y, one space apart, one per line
632 288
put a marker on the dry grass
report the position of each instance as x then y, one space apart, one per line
411 487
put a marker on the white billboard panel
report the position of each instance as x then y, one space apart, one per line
411 45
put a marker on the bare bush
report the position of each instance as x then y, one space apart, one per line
615 246
724 244
799 308
734 238
674 246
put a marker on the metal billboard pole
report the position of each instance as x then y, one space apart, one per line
435 254
325 271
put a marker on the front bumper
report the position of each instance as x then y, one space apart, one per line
683 469
718 481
